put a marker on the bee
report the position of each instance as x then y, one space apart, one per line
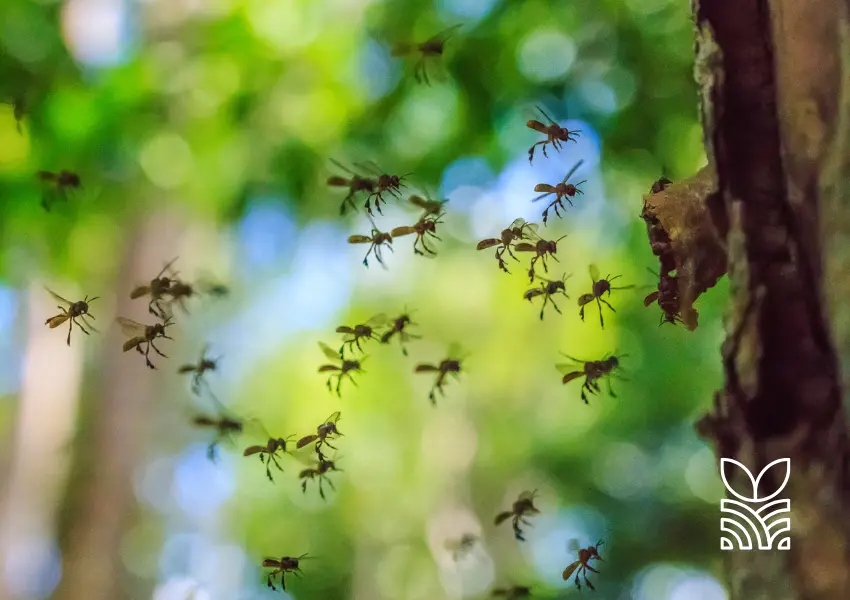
324 432
461 546
76 313
582 565
431 207
57 185
320 472
362 331
563 191
144 335
216 290
430 48
512 593
384 182
282 566
448 366
158 288
268 453
356 183
548 288
541 248
399 328
225 428
343 369
667 296
426 225
516 231
555 134
592 371
377 239
524 505
600 287
203 365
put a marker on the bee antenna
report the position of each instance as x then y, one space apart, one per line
87 300
562 237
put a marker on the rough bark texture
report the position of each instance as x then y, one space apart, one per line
773 77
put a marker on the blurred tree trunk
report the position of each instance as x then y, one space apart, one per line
775 82
114 424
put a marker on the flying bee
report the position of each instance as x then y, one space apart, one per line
667 296
555 134
516 231
461 546
431 207
319 471
282 566
384 183
512 593
197 370
399 328
563 191
377 239
268 453
158 288
343 369
430 48
324 432
585 555
524 505
144 335
361 331
76 313
548 288
448 366
355 183
427 225
541 248
57 185
592 371
225 428
600 287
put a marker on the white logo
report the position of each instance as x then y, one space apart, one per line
751 519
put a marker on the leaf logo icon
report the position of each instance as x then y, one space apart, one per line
726 465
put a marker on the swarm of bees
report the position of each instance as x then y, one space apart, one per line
375 186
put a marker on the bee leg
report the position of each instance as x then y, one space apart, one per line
147 358
321 490
578 585
304 486
544 148
283 580
368 206
269 582
601 320
555 306
70 325
211 452
610 389
329 382
586 581
268 472
331 483
157 350
431 397
338 385
542 308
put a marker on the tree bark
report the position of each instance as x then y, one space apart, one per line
773 75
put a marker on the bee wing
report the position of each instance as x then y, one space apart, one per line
503 516
545 114
370 167
130 327
570 570
341 166
567 369
46 175
333 418
527 495
444 35
594 272
573 170
457 352
417 201
573 545
328 352
378 320
525 247
58 297
517 223
531 228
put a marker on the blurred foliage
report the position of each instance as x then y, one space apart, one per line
210 108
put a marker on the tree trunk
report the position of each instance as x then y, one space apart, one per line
775 83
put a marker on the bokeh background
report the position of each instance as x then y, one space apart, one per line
203 130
